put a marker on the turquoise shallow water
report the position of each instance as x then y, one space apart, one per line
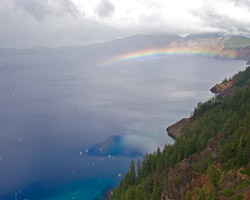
91 189
69 128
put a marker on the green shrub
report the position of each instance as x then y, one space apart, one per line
239 197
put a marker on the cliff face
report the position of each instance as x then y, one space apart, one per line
174 130
222 88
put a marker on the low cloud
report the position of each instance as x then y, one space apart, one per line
105 9
231 17
28 23
40 9
37 9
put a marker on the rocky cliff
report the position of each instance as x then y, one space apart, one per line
223 87
174 130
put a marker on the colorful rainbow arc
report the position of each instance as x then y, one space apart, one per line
157 52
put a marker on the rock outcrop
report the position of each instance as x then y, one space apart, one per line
174 130
222 88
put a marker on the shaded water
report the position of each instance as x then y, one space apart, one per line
69 128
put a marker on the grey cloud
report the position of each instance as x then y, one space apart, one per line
222 23
68 6
29 23
21 28
105 8
40 9
36 8
242 3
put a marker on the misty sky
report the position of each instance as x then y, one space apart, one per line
30 23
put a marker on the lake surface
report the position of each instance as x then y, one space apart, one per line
69 128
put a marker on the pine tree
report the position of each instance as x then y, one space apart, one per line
148 186
139 170
156 190
140 193
214 176
156 194
132 173
130 194
202 194
130 177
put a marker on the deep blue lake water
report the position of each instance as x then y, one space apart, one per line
69 128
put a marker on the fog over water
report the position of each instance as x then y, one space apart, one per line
69 128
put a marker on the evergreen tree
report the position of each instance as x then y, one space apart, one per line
140 193
202 194
139 170
155 194
148 186
156 190
214 176
130 194
132 173
130 177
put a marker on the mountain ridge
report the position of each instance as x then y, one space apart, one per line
232 46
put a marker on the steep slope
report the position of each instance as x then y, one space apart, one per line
210 158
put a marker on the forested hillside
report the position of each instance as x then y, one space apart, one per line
208 161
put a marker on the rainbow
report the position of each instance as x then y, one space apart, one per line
158 52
